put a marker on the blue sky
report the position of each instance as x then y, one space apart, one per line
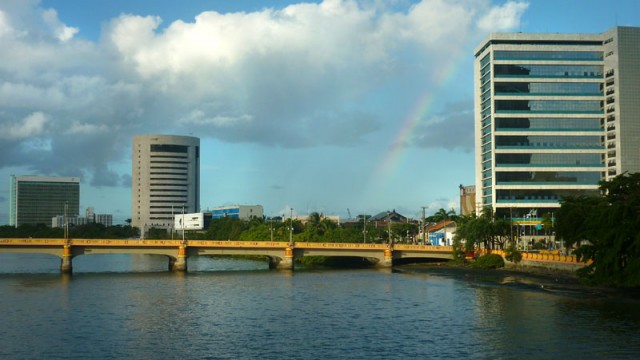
319 106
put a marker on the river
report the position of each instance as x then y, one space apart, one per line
130 307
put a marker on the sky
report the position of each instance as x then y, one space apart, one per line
332 106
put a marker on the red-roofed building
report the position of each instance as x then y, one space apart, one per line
442 233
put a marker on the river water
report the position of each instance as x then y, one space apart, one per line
130 307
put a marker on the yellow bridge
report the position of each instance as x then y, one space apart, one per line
281 254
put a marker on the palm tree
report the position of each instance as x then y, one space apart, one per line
443 215
316 223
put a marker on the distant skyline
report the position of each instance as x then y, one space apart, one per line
319 106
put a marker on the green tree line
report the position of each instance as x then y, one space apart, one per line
317 229
605 230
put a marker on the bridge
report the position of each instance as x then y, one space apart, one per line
281 255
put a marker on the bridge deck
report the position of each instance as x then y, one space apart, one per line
282 253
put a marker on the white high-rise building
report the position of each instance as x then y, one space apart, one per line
166 179
554 115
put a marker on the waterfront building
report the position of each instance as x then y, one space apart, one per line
305 218
104 219
244 212
386 217
58 221
36 199
442 233
554 115
166 179
467 199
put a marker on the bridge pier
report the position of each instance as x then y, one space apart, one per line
179 263
66 264
286 263
387 260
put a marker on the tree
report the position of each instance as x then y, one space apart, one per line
316 227
605 230
226 229
157 233
501 232
404 230
547 223
486 230
442 215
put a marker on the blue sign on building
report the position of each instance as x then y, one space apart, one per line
233 213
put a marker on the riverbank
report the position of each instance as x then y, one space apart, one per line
548 280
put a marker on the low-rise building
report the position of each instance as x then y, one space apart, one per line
244 212
441 234
91 217
387 217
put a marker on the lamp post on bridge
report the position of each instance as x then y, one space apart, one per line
291 228
423 225
183 241
271 227
364 227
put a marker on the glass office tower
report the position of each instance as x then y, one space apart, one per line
554 115
37 199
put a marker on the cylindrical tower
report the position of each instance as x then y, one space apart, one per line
166 179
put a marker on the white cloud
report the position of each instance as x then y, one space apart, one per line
60 31
199 118
5 27
301 76
31 126
503 18
78 128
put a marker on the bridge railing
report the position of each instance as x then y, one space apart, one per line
32 241
216 243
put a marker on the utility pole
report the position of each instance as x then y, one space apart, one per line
66 220
183 225
291 228
271 227
364 228
511 225
423 224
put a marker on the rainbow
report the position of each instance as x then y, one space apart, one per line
418 113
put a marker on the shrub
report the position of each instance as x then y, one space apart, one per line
512 254
489 261
458 251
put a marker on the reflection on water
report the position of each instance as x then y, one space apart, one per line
229 308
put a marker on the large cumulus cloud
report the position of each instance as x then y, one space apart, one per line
292 77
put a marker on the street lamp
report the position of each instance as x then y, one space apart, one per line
291 228
271 227
364 228
423 225
183 242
